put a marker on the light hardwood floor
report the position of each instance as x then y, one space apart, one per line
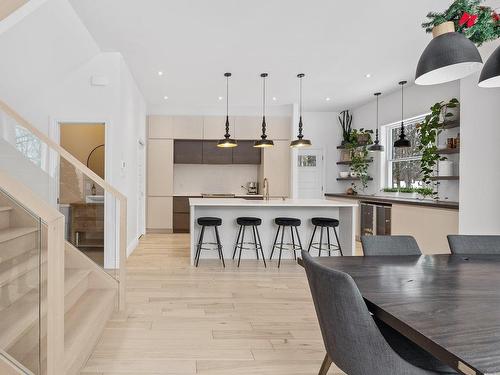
208 320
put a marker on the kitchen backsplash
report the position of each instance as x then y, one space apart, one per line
194 178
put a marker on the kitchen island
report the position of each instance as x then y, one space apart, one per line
267 210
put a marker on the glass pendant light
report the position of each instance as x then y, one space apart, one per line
402 142
300 141
490 76
263 141
227 141
376 146
448 57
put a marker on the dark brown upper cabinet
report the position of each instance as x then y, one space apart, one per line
188 152
245 153
216 155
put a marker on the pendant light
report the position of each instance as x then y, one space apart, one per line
300 141
490 76
263 141
402 142
448 57
227 141
376 146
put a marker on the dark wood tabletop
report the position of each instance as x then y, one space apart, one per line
447 304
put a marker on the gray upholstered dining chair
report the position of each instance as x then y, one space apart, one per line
390 245
464 244
353 340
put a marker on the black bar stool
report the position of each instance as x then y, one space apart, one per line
245 222
283 223
324 222
209 222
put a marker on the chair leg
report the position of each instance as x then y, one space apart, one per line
281 246
198 249
274 244
320 241
293 244
338 242
255 242
298 238
237 240
242 244
219 245
312 238
329 244
261 248
325 366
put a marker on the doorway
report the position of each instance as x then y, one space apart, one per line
310 173
80 198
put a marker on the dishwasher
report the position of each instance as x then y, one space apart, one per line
375 218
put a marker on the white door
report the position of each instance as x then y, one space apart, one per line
310 173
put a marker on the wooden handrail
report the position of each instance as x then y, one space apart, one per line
61 151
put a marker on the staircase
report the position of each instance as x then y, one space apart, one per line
88 302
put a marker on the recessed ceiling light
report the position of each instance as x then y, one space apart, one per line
220 98
160 73
328 99
274 99
368 75
165 97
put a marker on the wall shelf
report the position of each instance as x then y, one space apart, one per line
445 178
449 151
350 162
352 178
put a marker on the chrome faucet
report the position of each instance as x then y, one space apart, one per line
266 189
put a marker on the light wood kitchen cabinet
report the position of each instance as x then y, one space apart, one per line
160 127
214 127
276 168
159 216
279 128
188 152
188 127
160 167
248 127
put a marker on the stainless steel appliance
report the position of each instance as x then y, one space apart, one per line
252 188
375 218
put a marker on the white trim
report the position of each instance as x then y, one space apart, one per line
132 246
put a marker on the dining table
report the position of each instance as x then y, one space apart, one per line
449 305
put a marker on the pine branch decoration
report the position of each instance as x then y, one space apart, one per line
484 28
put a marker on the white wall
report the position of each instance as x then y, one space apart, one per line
418 100
480 156
194 179
48 59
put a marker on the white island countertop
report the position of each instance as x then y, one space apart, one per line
273 202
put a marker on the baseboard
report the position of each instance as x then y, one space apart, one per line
132 246
159 231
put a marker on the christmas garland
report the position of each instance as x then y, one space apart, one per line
477 22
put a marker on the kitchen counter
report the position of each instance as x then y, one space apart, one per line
397 200
304 209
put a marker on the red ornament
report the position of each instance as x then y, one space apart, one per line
495 17
467 19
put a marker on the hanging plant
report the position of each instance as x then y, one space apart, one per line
345 121
357 145
428 132
477 22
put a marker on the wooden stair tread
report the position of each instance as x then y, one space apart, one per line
31 261
5 208
19 316
81 324
12 233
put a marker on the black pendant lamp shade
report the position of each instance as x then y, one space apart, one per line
490 76
448 57
263 141
227 141
376 146
402 142
300 141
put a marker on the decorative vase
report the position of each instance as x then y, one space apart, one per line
445 168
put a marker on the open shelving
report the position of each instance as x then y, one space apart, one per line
445 178
352 178
348 162
448 151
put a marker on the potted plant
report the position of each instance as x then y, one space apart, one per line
358 150
428 132
477 22
345 121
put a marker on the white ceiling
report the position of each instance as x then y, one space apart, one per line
195 41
